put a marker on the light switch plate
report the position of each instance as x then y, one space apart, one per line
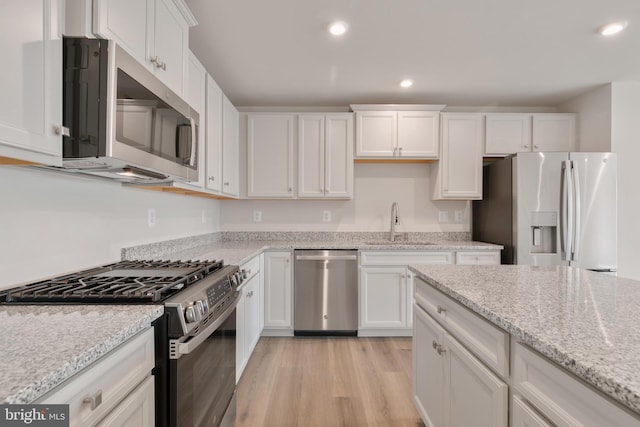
443 216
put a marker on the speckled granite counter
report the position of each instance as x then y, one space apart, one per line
42 346
241 251
586 322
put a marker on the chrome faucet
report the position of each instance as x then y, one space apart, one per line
394 221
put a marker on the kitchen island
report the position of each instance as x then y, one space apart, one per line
561 321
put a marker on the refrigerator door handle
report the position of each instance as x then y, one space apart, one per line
576 213
566 222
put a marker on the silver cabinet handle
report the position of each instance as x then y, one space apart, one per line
438 347
211 178
156 61
441 310
62 130
434 344
94 400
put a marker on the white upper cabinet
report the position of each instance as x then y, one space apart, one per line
213 140
400 133
155 32
515 133
325 155
458 174
230 149
31 102
507 134
196 97
554 132
270 148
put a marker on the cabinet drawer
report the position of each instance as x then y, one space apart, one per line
478 258
524 416
404 257
252 267
488 342
115 376
562 398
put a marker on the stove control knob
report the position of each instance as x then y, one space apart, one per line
205 304
190 314
200 309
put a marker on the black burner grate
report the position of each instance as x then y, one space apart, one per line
121 282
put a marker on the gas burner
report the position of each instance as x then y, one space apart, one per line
121 282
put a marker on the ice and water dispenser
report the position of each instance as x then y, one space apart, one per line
543 228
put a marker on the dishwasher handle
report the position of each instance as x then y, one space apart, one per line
326 257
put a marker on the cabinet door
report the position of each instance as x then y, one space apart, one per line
278 296
213 148
196 97
428 369
136 410
31 102
460 166
311 156
270 142
170 44
129 23
230 148
383 297
524 416
554 132
376 133
478 258
418 134
252 315
475 395
507 134
338 169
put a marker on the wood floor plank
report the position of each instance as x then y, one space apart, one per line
327 382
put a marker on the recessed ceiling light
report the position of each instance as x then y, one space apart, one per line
406 83
338 28
612 28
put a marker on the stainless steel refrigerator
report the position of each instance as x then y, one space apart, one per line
551 208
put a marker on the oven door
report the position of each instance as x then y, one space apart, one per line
203 378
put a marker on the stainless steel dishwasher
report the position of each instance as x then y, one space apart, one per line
325 292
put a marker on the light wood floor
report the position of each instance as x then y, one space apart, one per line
328 382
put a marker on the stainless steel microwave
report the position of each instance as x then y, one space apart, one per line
123 122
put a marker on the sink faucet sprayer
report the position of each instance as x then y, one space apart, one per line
394 220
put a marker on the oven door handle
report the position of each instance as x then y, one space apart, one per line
193 343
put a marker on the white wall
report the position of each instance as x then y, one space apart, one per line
594 119
625 140
52 223
376 187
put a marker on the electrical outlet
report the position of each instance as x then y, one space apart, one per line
257 216
443 216
458 216
326 216
151 217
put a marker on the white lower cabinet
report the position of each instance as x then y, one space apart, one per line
478 258
386 290
451 387
522 415
117 390
278 293
248 316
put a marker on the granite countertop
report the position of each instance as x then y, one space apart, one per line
240 251
584 321
44 345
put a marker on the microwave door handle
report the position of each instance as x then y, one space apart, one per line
193 143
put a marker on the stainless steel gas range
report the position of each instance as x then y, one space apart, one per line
195 339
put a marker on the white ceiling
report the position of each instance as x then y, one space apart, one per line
459 52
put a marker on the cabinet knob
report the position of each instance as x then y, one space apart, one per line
400 151
526 145
62 130
441 310
441 350
289 189
402 276
395 151
226 183
211 178
94 400
536 146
